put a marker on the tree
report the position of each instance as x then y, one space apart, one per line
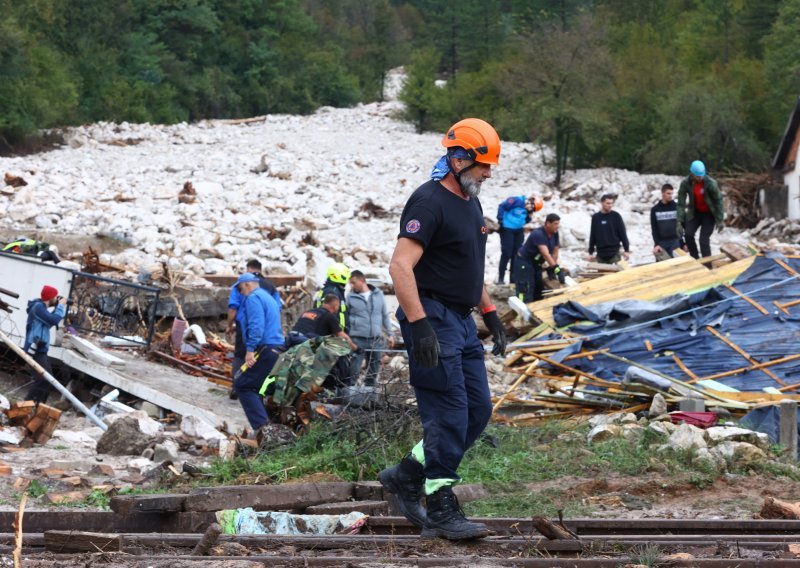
703 121
420 93
782 64
561 81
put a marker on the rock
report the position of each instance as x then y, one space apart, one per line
195 427
739 453
73 437
12 435
632 432
102 469
124 438
658 406
686 437
615 418
151 409
603 432
662 427
706 459
146 425
165 451
4 404
139 464
719 434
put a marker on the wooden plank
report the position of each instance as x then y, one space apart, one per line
748 299
107 521
91 351
344 507
755 368
168 503
81 541
278 280
267 497
744 354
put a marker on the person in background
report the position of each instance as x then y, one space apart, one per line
703 211
512 215
540 248
263 341
607 233
438 272
336 279
233 328
37 337
369 325
664 225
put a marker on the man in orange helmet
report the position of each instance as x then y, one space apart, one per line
438 272
512 215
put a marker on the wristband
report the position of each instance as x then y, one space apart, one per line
488 309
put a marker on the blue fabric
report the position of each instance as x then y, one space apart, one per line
39 322
261 322
453 397
442 167
249 383
236 299
511 213
530 250
763 337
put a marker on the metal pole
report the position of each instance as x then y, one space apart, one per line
52 380
788 427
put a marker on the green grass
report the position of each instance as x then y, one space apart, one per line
524 457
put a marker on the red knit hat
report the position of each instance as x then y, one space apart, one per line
48 293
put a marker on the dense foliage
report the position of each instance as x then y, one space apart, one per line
641 84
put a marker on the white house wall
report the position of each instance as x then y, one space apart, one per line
26 276
792 181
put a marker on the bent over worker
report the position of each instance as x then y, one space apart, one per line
438 273
540 248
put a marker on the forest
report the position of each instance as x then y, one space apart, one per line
647 85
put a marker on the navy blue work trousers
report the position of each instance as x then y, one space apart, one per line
249 383
510 241
453 397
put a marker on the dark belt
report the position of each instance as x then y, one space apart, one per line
462 310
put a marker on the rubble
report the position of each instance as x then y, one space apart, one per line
124 437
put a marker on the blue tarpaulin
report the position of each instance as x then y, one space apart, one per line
678 326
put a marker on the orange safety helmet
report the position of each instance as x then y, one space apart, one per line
537 202
477 137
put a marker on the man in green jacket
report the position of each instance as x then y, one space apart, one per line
704 210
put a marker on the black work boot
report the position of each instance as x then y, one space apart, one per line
406 481
447 520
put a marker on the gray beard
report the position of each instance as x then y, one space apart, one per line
470 187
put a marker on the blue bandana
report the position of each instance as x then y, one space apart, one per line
442 167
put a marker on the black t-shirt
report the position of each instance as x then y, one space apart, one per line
453 234
318 321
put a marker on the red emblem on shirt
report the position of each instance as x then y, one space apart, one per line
413 226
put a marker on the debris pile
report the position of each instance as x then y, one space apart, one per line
29 423
674 328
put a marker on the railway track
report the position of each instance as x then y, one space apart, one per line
73 539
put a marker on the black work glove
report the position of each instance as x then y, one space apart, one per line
495 327
679 230
560 274
720 226
425 345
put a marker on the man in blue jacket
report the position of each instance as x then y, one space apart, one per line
263 340
235 301
512 215
37 337
369 323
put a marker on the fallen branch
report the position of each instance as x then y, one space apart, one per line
18 530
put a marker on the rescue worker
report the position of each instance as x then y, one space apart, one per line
664 225
540 248
369 324
336 280
263 340
607 233
438 273
235 315
24 245
704 210
512 215
37 337
320 322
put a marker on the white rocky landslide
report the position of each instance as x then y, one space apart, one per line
301 173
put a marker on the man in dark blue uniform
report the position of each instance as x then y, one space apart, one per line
438 274
540 248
